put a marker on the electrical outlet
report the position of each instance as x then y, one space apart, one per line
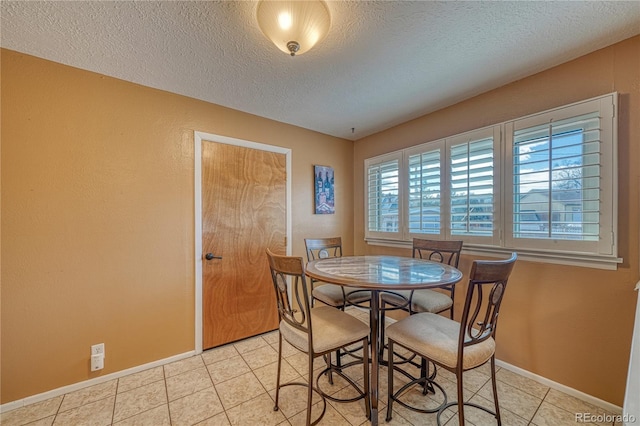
98 349
97 362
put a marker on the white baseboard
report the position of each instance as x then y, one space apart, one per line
91 382
609 407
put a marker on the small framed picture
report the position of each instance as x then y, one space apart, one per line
324 184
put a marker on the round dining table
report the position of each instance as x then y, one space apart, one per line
380 274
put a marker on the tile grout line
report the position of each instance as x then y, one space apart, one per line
529 421
539 405
166 391
55 416
115 401
213 385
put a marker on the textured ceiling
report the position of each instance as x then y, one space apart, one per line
383 62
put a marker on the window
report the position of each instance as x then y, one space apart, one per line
383 196
562 191
474 186
425 190
556 176
556 170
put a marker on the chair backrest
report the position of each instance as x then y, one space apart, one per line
438 250
321 248
487 284
284 268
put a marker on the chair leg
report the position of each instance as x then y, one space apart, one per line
275 407
460 396
329 373
338 354
428 377
310 387
424 372
382 326
495 389
390 382
365 364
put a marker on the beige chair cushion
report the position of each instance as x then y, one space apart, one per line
331 294
332 329
423 300
436 337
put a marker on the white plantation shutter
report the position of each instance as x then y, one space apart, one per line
424 197
383 195
563 190
557 179
473 161
472 173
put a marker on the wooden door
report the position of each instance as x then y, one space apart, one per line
243 213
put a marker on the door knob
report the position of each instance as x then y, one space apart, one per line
210 256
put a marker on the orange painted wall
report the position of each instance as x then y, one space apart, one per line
571 325
97 217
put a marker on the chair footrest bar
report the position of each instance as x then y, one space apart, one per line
361 393
357 303
393 306
422 382
469 404
403 359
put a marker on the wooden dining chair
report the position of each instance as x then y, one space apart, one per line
455 346
315 331
331 294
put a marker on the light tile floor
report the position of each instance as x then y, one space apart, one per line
235 385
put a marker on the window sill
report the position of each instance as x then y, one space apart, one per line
560 258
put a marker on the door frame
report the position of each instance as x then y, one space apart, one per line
198 138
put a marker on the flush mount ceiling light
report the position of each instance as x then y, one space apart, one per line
294 26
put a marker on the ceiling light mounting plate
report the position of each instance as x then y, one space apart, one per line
293 47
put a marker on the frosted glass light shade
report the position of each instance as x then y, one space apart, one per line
294 26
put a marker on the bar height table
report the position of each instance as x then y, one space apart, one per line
379 274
